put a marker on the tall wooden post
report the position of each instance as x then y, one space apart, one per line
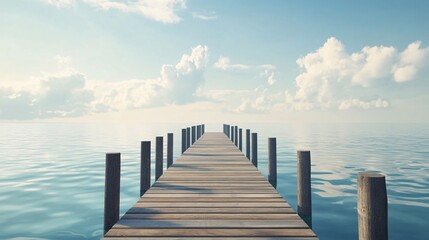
255 149
144 167
236 136
240 139
248 143
169 149
372 206
203 129
198 132
232 133
159 155
272 161
183 140
193 135
304 186
228 131
112 186
188 137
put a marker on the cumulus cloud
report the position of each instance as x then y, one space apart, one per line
177 84
330 74
68 93
58 95
161 10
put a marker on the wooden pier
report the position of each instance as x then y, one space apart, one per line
212 191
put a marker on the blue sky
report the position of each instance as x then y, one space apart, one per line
298 61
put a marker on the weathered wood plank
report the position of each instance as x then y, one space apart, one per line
210 210
214 195
211 238
144 204
211 191
209 223
260 216
166 232
209 199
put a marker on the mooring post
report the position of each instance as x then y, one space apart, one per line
304 186
169 149
203 129
240 139
112 185
193 135
232 133
248 143
198 132
144 167
272 161
236 135
228 129
372 206
188 137
183 140
255 149
159 155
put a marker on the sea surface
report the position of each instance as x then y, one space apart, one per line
52 174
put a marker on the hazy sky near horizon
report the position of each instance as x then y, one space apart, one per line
242 60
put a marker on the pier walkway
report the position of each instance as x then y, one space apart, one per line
212 191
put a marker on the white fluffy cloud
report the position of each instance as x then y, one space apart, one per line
68 93
58 95
160 10
177 84
330 76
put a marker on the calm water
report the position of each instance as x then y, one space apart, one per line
52 175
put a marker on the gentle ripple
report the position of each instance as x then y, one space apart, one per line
52 175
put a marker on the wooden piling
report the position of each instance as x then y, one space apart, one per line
372 206
228 130
255 149
272 161
144 167
240 139
236 135
112 190
203 129
159 155
169 149
304 185
183 140
198 131
188 137
248 143
232 133
193 132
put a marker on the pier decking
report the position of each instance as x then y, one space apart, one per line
212 191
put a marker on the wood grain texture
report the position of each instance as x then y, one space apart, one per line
211 192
